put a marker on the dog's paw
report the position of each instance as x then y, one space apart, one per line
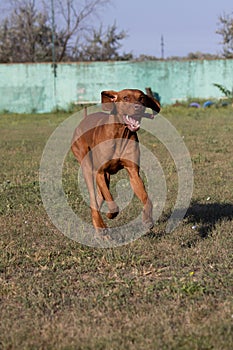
113 213
149 224
102 238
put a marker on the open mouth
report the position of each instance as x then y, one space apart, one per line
132 123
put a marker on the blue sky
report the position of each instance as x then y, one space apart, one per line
187 26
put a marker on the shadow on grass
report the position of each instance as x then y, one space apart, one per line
205 216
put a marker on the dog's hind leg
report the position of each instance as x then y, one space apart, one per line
103 181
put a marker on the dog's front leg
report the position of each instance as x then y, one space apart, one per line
140 191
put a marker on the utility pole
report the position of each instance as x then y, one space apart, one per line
54 64
53 40
162 47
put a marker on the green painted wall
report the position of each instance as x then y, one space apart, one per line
31 87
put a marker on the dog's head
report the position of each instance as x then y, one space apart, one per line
129 105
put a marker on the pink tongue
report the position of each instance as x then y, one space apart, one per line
133 124
133 121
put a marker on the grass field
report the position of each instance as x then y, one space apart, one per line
163 291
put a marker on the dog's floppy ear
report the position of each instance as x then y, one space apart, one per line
107 99
152 103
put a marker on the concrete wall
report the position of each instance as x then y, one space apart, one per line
26 88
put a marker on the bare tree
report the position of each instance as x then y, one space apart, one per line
74 18
226 31
103 45
25 35
33 28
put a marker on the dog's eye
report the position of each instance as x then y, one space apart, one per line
140 99
126 98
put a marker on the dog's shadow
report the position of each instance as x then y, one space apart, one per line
206 216
203 217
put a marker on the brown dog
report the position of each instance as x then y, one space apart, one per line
105 143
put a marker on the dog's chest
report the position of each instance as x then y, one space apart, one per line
111 154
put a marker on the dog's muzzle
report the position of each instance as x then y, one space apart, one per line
132 123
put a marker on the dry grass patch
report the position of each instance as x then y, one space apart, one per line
164 291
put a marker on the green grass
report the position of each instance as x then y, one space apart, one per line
163 291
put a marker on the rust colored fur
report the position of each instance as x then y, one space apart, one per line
105 143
